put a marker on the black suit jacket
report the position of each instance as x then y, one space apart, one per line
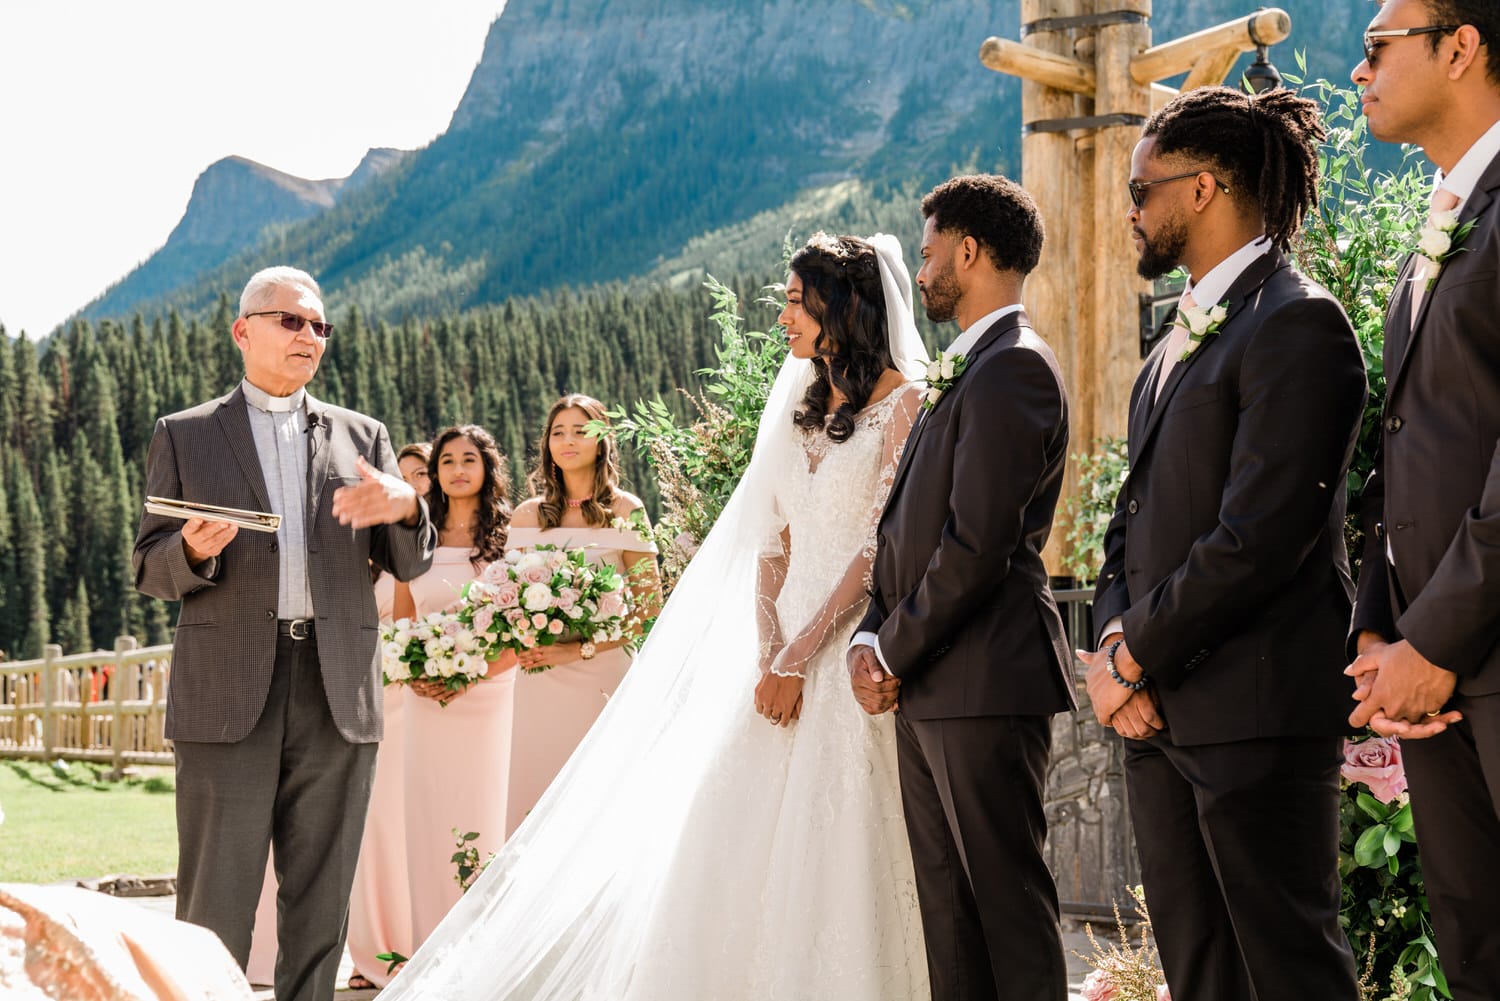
1225 556
225 644
961 602
1435 492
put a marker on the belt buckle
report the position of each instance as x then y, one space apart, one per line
299 629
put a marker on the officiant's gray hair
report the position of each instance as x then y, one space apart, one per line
262 286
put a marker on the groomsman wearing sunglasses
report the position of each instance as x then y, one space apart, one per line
274 703
1225 591
1427 623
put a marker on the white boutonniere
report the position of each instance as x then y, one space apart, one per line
1439 240
941 373
1201 324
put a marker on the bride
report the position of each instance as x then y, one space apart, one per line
731 827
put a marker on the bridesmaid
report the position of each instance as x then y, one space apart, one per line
457 755
578 498
380 906
379 913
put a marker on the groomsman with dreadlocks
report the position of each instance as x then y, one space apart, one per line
1225 591
1427 623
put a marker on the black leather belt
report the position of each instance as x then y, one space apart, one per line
297 629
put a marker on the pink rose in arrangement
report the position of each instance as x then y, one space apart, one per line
611 605
508 594
555 627
1377 764
535 575
539 621
450 628
483 618
515 616
496 573
1098 987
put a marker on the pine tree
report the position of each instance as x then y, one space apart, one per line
31 618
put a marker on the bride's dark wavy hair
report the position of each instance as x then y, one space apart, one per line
841 290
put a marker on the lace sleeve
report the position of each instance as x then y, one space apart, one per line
852 590
770 575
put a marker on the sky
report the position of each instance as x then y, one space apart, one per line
110 110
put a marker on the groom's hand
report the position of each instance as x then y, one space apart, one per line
876 691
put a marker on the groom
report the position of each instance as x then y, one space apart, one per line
962 634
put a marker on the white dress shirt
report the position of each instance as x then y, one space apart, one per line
279 426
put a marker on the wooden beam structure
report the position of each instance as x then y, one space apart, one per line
1090 77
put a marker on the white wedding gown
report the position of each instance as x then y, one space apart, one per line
691 851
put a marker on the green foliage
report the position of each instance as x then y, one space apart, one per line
466 859
698 464
1086 513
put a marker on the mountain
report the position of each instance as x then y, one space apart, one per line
234 202
607 139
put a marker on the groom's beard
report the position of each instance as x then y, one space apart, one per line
941 294
1162 253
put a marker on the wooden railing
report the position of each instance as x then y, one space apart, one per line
102 706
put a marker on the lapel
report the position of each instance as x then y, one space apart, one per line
234 421
1007 323
1398 315
318 456
1479 201
1238 297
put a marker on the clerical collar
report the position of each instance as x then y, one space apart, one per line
262 400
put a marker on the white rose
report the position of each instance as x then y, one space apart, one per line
531 560
536 597
1197 321
933 395
947 367
1434 243
1218 313
1445 220
934 370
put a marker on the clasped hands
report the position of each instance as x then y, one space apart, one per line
1400 692
875 690
1132 713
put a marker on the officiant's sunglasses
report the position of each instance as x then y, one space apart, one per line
1371 49
1139 189
293 322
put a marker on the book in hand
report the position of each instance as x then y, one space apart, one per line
256 521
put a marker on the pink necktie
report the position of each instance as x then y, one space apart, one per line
1443 200
1176 342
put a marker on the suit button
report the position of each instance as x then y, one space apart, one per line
272 547
1133 507
270 613
1393 424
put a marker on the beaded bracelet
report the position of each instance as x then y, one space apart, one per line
1109 661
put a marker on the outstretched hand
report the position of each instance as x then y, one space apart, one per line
876 691
378 499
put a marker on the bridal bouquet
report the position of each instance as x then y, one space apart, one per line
544 596
437 647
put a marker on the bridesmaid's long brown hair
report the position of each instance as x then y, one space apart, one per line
494 493
546 479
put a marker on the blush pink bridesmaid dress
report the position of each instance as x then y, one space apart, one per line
456 769
555 708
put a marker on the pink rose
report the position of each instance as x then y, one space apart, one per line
450 627
611 606
555 627
515 616
483 618
495 573
535 575
508 594
1098 987
539 621
1377 764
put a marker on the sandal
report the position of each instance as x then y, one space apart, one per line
359 982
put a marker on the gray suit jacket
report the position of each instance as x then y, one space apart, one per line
961 602
1435 491
225 644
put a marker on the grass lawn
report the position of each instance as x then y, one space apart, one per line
64 821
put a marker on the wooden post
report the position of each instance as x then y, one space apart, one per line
1049 173
123 682
1114 354
50 654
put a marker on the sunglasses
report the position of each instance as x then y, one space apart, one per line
293 322
1371 49
1138 189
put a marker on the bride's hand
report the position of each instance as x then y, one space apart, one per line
779 698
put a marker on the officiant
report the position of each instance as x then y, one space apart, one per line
274 704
